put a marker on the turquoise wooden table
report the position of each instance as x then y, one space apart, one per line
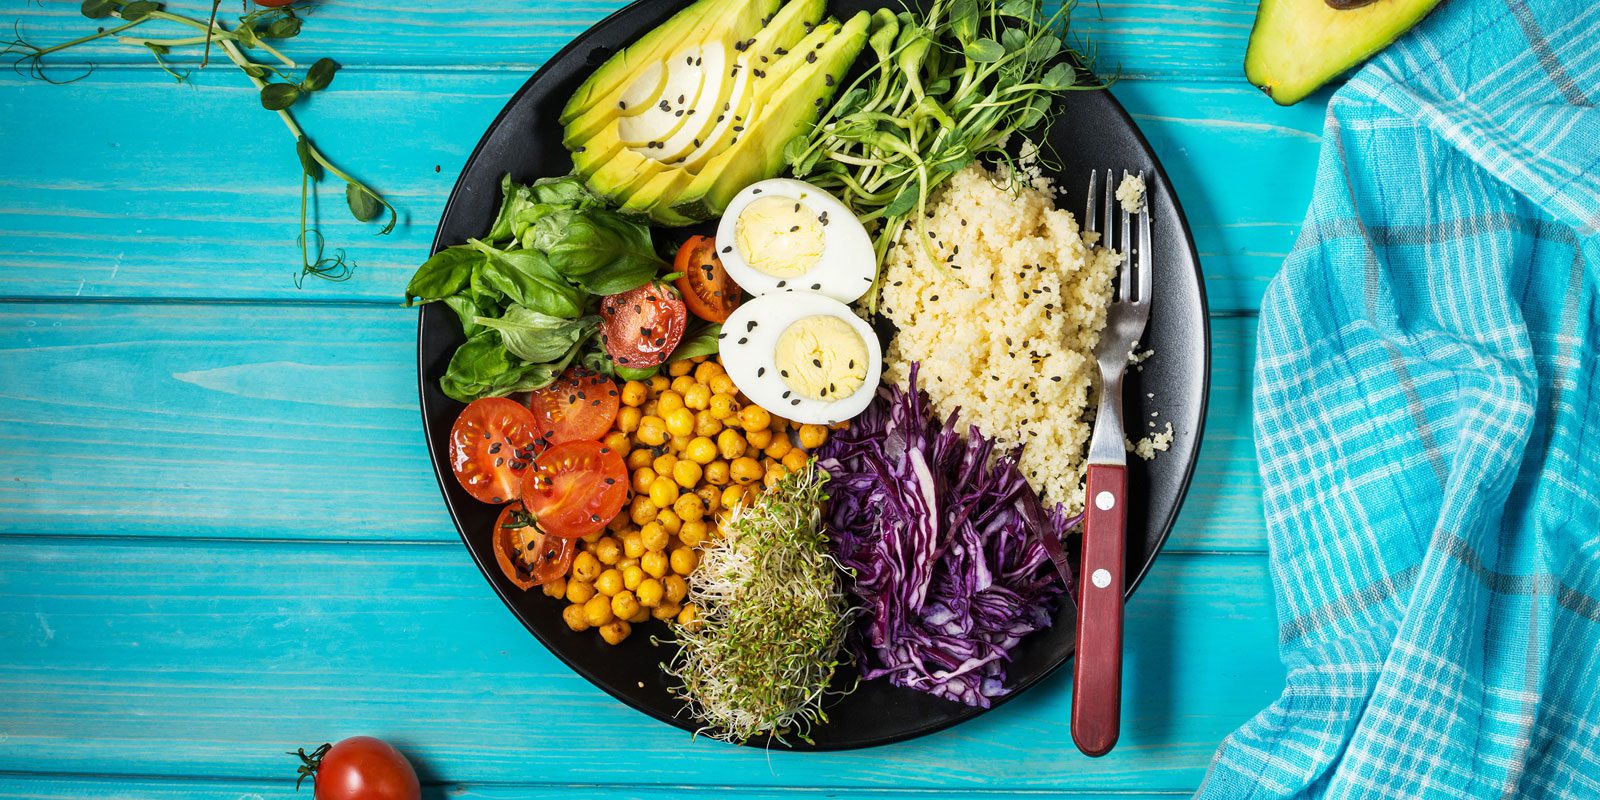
220 537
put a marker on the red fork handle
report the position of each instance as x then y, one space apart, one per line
1097 665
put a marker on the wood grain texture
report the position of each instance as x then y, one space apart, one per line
212 658
301 423
194 192
1146 38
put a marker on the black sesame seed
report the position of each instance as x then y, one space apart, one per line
816 362
728 249
794 402
794 228
933 299
816 286
750 326
744 339
755 191
760 371
782 284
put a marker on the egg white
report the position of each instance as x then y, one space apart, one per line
847 266
749 344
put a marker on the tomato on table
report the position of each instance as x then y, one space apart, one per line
707 290
491 446
359 768
641 327
581 404
576 488
527 555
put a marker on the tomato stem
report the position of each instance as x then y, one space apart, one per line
309 763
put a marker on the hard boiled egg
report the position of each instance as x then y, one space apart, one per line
802 355
785 234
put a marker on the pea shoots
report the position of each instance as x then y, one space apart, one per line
946 87
280 89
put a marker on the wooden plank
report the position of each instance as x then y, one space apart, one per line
99 210
1141 38
211 658
34 787
301 422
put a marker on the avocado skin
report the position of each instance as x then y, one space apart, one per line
1297 46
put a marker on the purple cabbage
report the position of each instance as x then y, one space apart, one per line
942 534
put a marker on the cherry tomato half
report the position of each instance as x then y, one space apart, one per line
273 3
642 327
360 768
575 488
706 288
527 555
581 404
491 445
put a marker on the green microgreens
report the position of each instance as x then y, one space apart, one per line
946 87
279 87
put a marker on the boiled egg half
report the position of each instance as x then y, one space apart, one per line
802 355
783 234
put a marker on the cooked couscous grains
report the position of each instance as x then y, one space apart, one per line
1130 193
1004 325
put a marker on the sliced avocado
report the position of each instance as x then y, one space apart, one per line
758 151
726 21
1297 46
687 77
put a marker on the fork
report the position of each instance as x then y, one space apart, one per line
1097 666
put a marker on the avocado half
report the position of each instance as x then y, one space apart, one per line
1297 46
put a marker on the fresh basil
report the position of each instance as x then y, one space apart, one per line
605 253
481 367
446 273
701 341
535 337
526 278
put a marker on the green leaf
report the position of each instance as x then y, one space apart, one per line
320 75
605 253
1044 48
364 205
964 20
535 337
279 96
1059 77
1013 39
253 70
903 202
139 9
526 277
283 28
308 163
446 273
247 37
1021 9
517 200
1035 113
701 341
631 374
985 51
482 367
99 9
885 27
158 49
468 310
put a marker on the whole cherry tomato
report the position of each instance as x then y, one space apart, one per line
359 768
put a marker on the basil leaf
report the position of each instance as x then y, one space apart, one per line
535 337
605 253
364 205
481 367
518 201
98 9
279 96
468 310
320 75
447 272
135 11
701 341
541 225
632 374
302 148
526 277
985 51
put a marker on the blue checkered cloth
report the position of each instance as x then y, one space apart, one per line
1427 418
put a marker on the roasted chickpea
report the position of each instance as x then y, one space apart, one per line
677 443
642 510
722 405
669 520
633 393
722 384
697 396
795 460
615 631
689 616
609 583
692 533
642 478
659 383
663 492
711 496
625 563
730 444
654 537
680 421
706 423
677 368
668 402
686 473
579 591
779 448
574 617
555 588
633 543
591 538
689 508
598 610
701 450
754 418
745 470
628 419
706 371
642 616
640 458
586 567
774 473
649 408
649 593
760 440
617 441
666 611
717 473
652 431
681 384
654 563
683 560
618 523
812 436
624 604
675 588
732 496
662 466
632 576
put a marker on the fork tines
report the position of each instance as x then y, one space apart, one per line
1134 284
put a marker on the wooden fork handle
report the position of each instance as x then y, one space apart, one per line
1097 665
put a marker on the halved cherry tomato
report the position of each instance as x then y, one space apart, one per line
581 404
708 291
527 555
575 488
491 445
642 327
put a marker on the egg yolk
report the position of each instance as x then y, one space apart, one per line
779 236
822 358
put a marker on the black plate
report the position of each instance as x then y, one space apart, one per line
1092 131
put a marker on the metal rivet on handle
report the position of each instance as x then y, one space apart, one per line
1104 501
1101 578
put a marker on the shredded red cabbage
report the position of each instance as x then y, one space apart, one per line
949 573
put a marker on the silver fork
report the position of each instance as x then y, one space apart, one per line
1097 665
